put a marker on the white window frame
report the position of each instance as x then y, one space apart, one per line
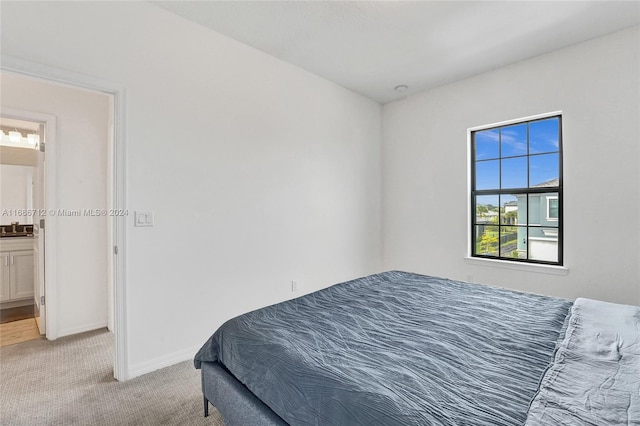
549 198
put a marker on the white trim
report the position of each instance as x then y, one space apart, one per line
85 327
17 303
518 266
110 223
512 121
51 221
162 362
118 92
551 197
469 213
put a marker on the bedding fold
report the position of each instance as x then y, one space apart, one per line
595 376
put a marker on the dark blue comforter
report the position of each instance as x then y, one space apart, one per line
395 349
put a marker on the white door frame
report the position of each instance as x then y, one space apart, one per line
118 193
51 226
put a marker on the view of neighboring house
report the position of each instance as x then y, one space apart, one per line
524 220
542 215
510 206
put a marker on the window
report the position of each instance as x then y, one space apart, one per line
516 191
552 208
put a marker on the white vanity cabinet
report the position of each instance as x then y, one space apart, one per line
5 276
16 270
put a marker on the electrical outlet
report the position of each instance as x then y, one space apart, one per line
294 286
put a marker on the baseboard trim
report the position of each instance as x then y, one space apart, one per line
16 303
162 362
81 329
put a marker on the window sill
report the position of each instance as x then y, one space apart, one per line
528 267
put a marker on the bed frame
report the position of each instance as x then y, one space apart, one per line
235 402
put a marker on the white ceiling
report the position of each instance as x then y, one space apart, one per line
371 47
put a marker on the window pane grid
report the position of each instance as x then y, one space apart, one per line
525 224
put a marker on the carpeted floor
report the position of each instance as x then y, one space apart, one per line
70 382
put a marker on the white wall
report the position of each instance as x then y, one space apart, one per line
258 172
81 246
596 85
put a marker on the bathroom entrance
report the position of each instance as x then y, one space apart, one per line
22 307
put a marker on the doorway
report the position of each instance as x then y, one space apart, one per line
71 215
22 170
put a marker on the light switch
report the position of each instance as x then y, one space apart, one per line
143 218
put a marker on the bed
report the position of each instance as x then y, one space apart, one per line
399 348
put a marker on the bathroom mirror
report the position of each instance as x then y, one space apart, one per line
16 194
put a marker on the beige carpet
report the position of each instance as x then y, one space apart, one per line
70 382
